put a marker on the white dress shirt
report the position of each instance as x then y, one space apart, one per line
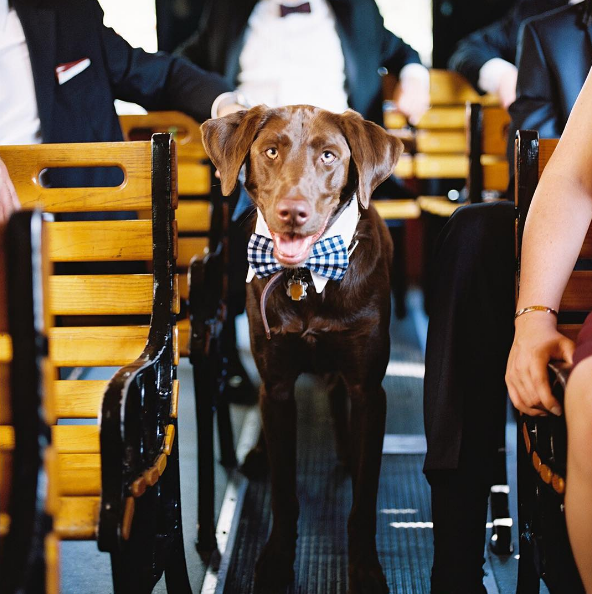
293 59
494 70
19 116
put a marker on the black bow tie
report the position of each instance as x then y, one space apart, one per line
301 8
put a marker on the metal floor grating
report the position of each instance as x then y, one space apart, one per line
324 491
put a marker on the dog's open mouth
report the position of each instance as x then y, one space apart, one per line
291 249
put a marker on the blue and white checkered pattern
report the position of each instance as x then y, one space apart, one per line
329 257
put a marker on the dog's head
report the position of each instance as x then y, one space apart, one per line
299 166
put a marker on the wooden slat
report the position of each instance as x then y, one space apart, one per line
184 327
25 164
439 118
194 178
5 478
496 121
185 130
189 247
96 346
79 399
193 215
5 348
578 292
96 241
496 174
404 167
76 439
101 294
126 294
52 564
546 148
77 518
6 437
4 524
5 407
448 88
441 141
441 166
397 209
394 120
183 287
79 474
437 205
569 330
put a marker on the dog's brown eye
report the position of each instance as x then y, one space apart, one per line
328 157
272 153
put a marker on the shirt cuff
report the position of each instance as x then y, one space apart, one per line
492 72
416 71
227 99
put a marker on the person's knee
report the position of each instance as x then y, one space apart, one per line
478 228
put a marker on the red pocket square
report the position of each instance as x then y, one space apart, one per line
64 72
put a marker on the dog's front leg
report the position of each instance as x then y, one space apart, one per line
275 566
368 415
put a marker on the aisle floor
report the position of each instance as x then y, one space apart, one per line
404 531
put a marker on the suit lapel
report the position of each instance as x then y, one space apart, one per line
39 25
352 55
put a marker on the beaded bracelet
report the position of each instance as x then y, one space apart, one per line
530 308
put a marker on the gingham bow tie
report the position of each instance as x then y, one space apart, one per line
328 258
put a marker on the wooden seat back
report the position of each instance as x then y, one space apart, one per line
194 213
487 139
545 551
102 471
28 546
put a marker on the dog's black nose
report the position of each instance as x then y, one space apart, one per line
293 212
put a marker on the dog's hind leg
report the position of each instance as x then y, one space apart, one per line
275 566
338 403
368 415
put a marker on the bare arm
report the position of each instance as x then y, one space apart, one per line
8 200
557 222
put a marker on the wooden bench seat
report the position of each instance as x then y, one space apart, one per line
101 470
545 552
28 547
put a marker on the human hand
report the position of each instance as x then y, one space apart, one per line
8 200
230 108
506 89
536 342
412 97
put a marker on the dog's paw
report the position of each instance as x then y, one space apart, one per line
274 568
367 578
255 465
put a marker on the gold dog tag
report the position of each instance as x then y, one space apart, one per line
297 289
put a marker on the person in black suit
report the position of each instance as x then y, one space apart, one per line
368 48
78 68
470 330
487 57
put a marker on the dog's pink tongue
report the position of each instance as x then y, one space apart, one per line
292 247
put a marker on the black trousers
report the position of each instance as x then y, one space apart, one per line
469 337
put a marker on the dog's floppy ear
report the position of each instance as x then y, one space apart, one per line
227 141
374 153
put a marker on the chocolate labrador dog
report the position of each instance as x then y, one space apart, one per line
318 299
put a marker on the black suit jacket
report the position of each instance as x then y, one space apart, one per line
81 110
554 58
498 40
367 47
